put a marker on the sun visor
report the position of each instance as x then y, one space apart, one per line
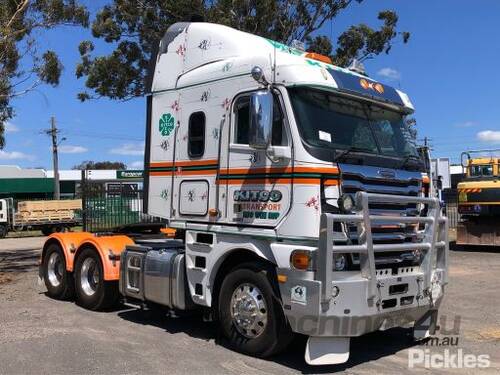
365 86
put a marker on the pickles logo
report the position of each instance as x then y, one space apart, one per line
166 124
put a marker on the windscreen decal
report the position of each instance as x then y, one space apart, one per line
365 86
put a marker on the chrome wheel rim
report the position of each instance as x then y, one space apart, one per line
249 310
89 276
55 269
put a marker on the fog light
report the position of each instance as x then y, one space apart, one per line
346 203
335 291
340 262
417 255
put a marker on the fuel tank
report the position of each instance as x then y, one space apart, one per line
154 271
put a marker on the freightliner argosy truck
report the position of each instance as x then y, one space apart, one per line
299 202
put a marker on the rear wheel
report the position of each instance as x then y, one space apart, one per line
250 314
47 231
3 231
58 281
92 291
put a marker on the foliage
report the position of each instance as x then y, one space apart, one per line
134 28
89 164
22 66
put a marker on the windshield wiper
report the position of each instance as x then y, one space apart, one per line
409 157
349 150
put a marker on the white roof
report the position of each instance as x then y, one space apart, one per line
14 171
194 53
93 174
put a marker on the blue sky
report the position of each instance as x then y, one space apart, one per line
449 68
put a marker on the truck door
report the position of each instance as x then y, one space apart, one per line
259 185
163 129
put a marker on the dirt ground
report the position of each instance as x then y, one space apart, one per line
39 335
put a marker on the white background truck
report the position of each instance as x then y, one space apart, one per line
47 216
296 194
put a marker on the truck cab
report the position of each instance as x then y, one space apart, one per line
4 218
478 193
299 200
479 199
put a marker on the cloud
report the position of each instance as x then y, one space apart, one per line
11 128
15 155
389 73
136 149
490 136
139 164
68 149
466 124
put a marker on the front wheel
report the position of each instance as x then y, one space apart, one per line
58 281
250 314
92 291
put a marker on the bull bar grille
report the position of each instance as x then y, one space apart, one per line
432 240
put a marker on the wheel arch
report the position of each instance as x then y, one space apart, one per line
109 249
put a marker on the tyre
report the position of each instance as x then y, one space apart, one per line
249 311
3 231
47 231
58 281
92 291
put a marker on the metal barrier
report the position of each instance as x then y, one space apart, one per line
434 237
107 207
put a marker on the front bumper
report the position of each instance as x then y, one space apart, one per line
351 303
350 313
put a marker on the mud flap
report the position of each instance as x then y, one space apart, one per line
426 325
327 350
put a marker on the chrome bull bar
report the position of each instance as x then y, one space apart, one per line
433 240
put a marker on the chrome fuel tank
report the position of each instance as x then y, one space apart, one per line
155 272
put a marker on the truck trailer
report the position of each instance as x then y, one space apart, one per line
48 216
299 202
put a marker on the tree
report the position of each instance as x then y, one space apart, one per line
89 164
23 66
136 27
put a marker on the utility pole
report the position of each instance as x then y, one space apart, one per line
53 133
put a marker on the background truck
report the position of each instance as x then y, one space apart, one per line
479 199
299 202
48 216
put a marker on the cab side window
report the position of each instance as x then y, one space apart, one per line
242 122
196 135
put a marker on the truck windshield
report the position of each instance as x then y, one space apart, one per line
481 170
328 121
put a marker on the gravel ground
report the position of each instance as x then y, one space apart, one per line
39 335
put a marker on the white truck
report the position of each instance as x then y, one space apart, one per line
299 203
48 216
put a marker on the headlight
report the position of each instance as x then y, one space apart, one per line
346 203
339 262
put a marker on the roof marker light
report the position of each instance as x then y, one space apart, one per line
318 57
